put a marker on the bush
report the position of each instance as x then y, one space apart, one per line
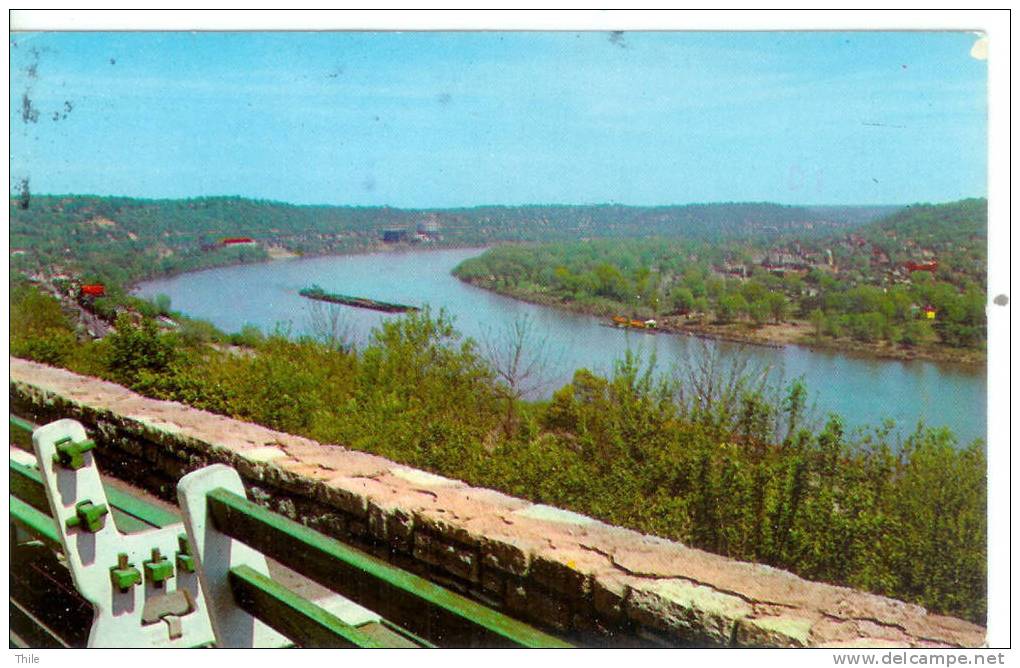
250 336
51 347
194 332
134 349
33 312
39 329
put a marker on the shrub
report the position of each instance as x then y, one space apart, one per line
137 348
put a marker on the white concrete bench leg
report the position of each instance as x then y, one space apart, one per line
141 594
215 554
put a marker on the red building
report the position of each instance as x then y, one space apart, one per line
927 266
238 241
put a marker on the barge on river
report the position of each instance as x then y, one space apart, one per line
317 293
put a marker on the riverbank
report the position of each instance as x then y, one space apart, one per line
278 253
771 335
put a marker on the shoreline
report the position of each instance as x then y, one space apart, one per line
768 335
131 286
789 333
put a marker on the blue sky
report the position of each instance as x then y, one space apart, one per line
461 119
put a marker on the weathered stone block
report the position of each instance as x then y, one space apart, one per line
409 563
357 528
493 582
286 507
378 521
423 548
131 446
509 554
540 511
460 561
419 479
567 571
538 606
457 560
778 631
609 594
349 494
441 522
331 524
297 478
693 612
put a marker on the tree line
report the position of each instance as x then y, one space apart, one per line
122 240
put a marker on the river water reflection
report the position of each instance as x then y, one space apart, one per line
864 391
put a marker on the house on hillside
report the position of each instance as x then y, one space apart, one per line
427 230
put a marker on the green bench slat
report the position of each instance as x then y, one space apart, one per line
392 636
302 621
38 523
26 484
21 432
149 513
426 609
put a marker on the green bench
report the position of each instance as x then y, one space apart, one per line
410 610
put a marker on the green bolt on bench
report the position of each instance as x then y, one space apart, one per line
130 513
88 517
71 454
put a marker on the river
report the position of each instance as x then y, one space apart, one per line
862 390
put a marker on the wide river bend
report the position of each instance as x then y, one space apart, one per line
863 390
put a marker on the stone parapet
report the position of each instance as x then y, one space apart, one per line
594 583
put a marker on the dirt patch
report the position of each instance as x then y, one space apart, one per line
279 253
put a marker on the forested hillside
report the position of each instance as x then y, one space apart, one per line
913 281
121 239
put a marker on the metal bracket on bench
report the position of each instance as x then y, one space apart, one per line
126 577
215 553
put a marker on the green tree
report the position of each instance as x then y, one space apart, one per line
682 298
137 349
817 318
759 311
730 307
778 306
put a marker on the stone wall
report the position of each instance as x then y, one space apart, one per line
575 576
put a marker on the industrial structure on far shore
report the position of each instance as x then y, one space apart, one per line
426 231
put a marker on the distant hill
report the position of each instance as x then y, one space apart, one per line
954 234
940 224
124 239
854 215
